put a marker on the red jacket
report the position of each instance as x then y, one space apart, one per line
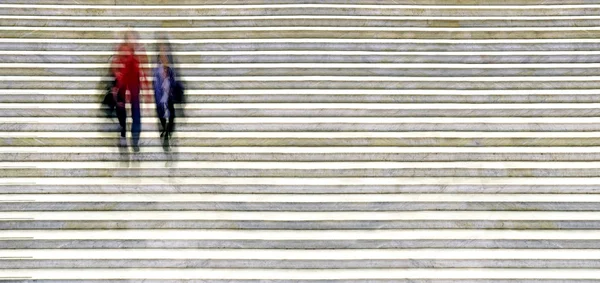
127 70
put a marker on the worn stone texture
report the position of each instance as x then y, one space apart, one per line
545 96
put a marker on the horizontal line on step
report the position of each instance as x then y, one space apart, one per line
305 40
306 198
312 135
318 120
317 106
307 235
294 28
304 165
313 52
314 66
297 254
295 16
317 78
324 92
305 150
296 181
259 6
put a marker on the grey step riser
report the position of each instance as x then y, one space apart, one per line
425 141
297 264
347 83
317 46
592 112
326 98
375 33
356 189
258 2
346 71
286 206
300 127
286 11
294 58
197 172
294 244
294 225
187 156
22 280
416 22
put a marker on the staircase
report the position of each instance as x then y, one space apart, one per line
336 140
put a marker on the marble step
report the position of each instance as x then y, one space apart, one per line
318 69
298 20
299 169
313 124
284 153
314 110
306 259
399 84
296 45
303 8
297 275
297 264
372 33
558 244
297 207
205 96
300 185
320 138
304 225
312 56
259 2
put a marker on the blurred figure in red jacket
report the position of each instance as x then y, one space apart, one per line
129 70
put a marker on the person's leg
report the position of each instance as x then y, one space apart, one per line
136 126
122 112
171 126
163 124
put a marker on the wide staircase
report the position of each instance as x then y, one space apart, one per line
336 140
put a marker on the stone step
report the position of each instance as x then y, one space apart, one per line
316 44
309 32
335 275
292 21
302 9
311 70
298 207
259 2
315 110
291 225
321 138
283 153
309 56
299 244
311 124
298 264
299 169
205 96
399 84
301 185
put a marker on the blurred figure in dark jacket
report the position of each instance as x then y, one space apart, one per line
167 90
128 69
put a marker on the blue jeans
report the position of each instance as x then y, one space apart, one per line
136 126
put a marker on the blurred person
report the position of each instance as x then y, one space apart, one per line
130 78
167 90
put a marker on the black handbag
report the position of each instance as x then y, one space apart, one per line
178 91
109 99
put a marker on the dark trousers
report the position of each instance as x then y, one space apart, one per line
168 128
136 126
